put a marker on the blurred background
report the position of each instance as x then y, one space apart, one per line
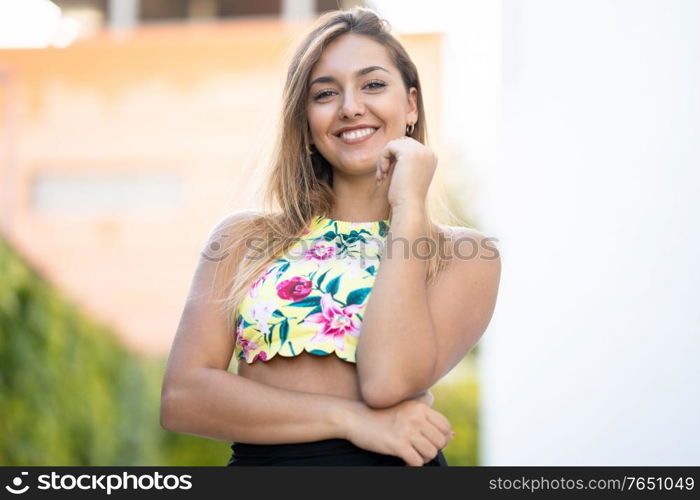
567 130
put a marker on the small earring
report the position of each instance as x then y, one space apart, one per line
409 131
309 151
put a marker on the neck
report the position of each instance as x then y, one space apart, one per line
358 198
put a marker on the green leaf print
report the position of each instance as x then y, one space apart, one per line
281 270
320 280
277 313
352 237
318 352
358 296
284 331
332 286
307 302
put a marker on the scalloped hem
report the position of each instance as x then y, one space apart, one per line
314 351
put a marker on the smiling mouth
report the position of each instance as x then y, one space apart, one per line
358 136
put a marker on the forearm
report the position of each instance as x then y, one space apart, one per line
397 347
218 404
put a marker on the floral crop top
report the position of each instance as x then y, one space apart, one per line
313 296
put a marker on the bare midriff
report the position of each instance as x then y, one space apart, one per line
306 373
310 373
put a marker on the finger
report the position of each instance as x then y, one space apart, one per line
387 155
436 436
390 167
439 421
411 457
425 447
384 165
380 162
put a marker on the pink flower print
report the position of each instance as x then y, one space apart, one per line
248 345
255 289
335 321
321 251
261 355
294 289
251 346
261 312
239 330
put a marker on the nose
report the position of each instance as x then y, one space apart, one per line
351 106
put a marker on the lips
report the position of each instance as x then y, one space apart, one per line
359 126
357 140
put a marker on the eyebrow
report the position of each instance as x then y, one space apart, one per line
360 72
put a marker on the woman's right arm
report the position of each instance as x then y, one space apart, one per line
200 396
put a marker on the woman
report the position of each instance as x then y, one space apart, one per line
287 293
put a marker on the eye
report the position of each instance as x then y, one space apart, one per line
322 94
379 84
373 84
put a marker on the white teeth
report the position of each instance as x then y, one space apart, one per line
356 134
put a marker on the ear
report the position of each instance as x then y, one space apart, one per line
412 116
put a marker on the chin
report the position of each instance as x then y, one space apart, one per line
359 168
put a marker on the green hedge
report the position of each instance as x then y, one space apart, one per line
70 394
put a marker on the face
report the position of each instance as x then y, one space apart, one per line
344 98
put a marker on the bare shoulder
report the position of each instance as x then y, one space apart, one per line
467 239
474 256
224 241
225 230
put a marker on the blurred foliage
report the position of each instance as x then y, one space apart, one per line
456 397
71 394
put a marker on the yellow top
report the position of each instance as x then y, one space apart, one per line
312 298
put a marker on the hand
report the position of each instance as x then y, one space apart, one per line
410 430
409 167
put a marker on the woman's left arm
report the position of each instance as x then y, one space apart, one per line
412 334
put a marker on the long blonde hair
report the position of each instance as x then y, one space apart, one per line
299 183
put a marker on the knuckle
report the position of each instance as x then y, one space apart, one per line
416 419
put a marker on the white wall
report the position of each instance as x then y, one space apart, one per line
579 125
593 357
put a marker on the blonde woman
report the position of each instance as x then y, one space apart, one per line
344 305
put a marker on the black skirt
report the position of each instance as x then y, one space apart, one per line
331 452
